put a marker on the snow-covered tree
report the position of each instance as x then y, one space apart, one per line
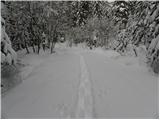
143 28
8 54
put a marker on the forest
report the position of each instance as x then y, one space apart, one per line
79 59
112 25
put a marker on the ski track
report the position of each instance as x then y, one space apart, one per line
85 100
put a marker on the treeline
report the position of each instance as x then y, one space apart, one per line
26 21
112 25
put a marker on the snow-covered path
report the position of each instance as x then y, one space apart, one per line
122 90
50 91
85 100
76 83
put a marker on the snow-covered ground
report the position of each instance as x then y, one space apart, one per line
78 83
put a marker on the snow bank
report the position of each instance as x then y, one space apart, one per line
61 45
108 53
31 61
129 57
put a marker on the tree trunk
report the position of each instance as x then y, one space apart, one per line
38 43
38 48
48 46
135 52
52 47
27 48
54 39
32 37
106 42
25 43
33 48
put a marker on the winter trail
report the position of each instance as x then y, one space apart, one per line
78 83
85 101
49 92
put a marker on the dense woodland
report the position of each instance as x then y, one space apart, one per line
111 25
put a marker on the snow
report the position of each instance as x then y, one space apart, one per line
154 15
30 61
85 100
122 9
78 83
3 57
108 53
11 54
122 91
9 59
48 92
154 43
